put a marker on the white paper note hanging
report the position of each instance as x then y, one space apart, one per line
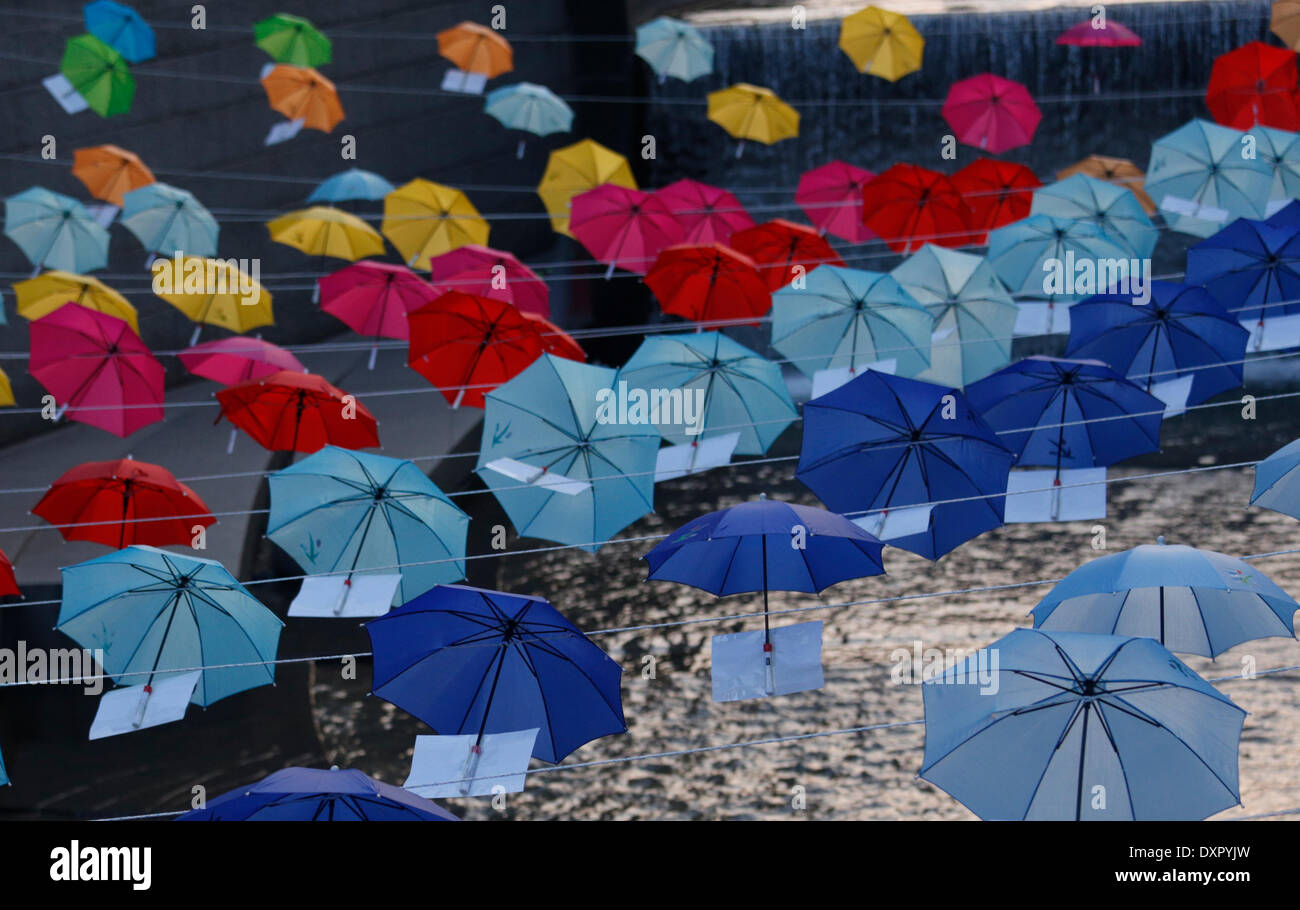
1173 392
449 766
694 457
824 381
65 93
894 523
740 668
337 596
1190 208
455 80
526 473
103 213
1033 318
284 131
1033 495
1275 333
131 708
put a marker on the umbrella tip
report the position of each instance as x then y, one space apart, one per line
334 767
762 496
1161 540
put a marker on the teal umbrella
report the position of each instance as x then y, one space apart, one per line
674 48
1107 205
739 390
354 183
4 775
1201 180
169 220
1279 149
532 108
1019 251
55 231
973 315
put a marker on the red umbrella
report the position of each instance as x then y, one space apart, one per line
1254 85
557 341
123 502
374 298
992 113
910 206
626 228
997 192
8 584
708 214
481 270
782 249
298 412
1109 34
97 369
708 281
232 360
466 345
831 197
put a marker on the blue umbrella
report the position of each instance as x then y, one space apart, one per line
532 108
469 661
1067 413
1191 601
169 220
1109 206
881 442
741 391
354 512
354 183
1288 216
313 795
1277 481
1019 251
157 614
1067 726
55 231
1251 266
121 28
674 48
1183 331
1201 164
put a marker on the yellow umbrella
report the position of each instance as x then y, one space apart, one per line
324 231
575 169
753 112
881 43
50 290
424 219
6 391
1285 22
216 292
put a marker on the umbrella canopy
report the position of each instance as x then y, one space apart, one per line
1108 33
674 48
469 661
1019 251
292 39
475 48
974 317
706 213
882 442
909 206
1201 163
109 172
1119 171
375 298
1277 482
6 391
486 272
324 231
555 340
575 169
1251 267
167 220
1284 21
121 28
622 227
97 368
8 588
1281 150
157 614
996 192
742 392
301 93
230 361
551 417
850 318
352 184
529 107
425 219
753 112
313 795
225 296
298 412
1183 331
352 512
783 250
991 113
55 231
705 282
831 197
881 43
99 74
1067 713
1254 85
50 290
123 502
1113 209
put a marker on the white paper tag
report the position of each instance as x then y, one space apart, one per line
130 708
1042 319
1033 496
824 381
1180 206
266 70
1173 393
1276 205
455 80
741 669
445 766
692 458
63 91
1275 333
103 213
892 524
284 131
331 597
526 473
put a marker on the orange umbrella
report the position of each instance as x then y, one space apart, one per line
475 48
110 172
1119 171
301 92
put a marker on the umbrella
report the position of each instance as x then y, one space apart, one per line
1200 165
8 588
741 391
231 361
674 48
555 340
466 345
312 795
753 112
996 192
155 614
226 296
97 369
784 251
575 169
1183 331
1284 21
850 318
1108 33
909 206
425 219
168 220
1074 726
491 273
831 197
1113 209
1250 266
532 108
1277 482
1254 85
974 317
705 282
1020 251
298 412
882 442
99 74
6 391
1280 149
992 113
1119 171
551 417
1286 217
375 298
109 172
301 93
50 290
292 39
123 502
881 43
623 227
55 231
706 213
352 512
324 231
352 184
476 48
121 28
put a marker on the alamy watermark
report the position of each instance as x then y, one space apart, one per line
196 275
46 666
654 407
951 666
1084 276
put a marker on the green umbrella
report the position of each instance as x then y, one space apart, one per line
292 39
99 74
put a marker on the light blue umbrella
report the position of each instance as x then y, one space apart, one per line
121 28
169 220
1279 149
354 183
1019 251
551 418
1201 163
529 107
156 614
974 316
354 512
1110 207
4 775
739 390
674 48
1066 726
1277 481
55 231
850 318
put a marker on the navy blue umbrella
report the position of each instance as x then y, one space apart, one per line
884 442
1287 216
469 661
313 795
1251 267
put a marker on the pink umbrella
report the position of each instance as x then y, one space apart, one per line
992 113
626 228
373 298
708 214
97 369
234 360
485 272
831 197
1108 34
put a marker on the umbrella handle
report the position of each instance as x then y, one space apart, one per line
471 768
315 292
768 668
230 446
519 149
374 353
138 720
740 148
343 596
